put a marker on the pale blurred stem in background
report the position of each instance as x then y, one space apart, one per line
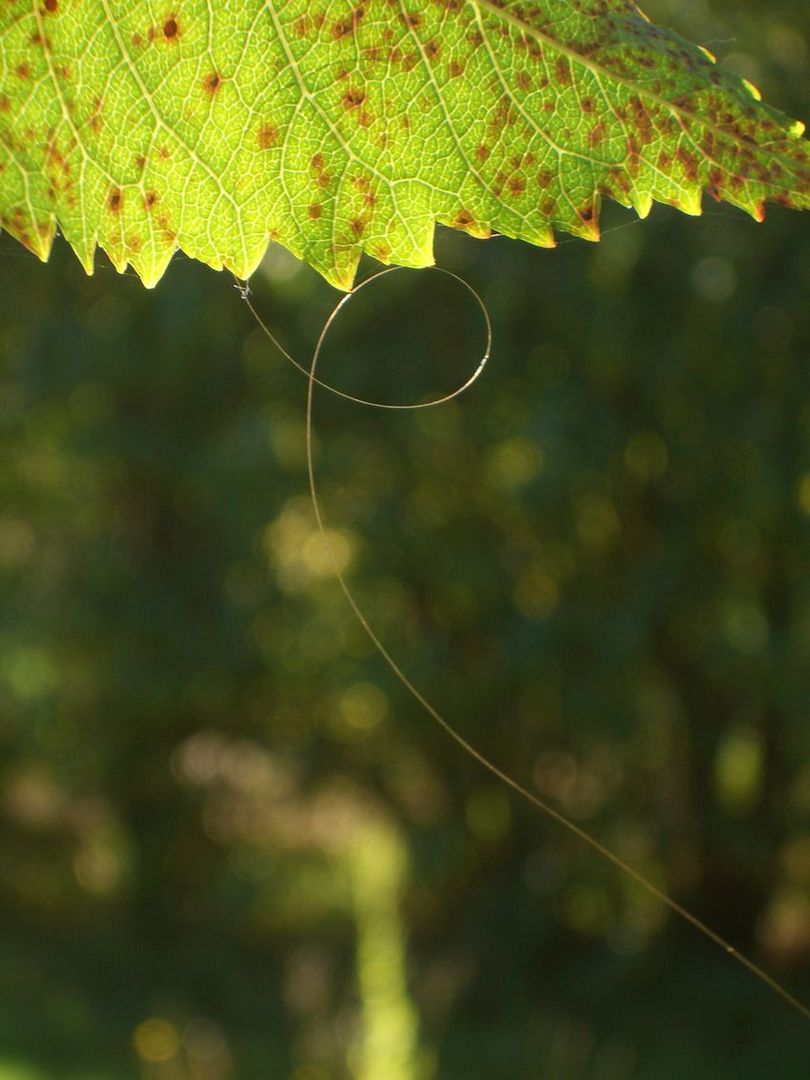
377 861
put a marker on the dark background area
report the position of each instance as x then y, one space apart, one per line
596 563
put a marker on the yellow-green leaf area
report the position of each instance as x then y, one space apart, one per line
339 128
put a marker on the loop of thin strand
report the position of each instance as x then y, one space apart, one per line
449 729
408 406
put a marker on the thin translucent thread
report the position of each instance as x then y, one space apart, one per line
450 730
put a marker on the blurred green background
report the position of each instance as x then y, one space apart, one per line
232 846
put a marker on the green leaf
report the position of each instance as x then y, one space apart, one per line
337 128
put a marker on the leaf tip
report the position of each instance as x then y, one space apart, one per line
247 263
758 212
691 203
545 238
642 202
36 237
151 275
342 279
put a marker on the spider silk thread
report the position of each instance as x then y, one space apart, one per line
504 778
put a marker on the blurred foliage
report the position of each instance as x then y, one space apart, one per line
596 563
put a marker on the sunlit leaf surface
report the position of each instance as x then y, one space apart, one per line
337 128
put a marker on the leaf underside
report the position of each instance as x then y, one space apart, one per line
336 128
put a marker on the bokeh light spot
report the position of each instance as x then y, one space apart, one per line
156 1040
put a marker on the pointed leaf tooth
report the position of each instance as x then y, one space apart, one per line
417 252
543 237
690 201
85 251
641 201
150 264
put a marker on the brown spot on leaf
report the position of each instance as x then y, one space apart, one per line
314 211
171 30
51 6
544 177
597 134
115 200
268 136
689 162
563 70
352 99
94 119
212 82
